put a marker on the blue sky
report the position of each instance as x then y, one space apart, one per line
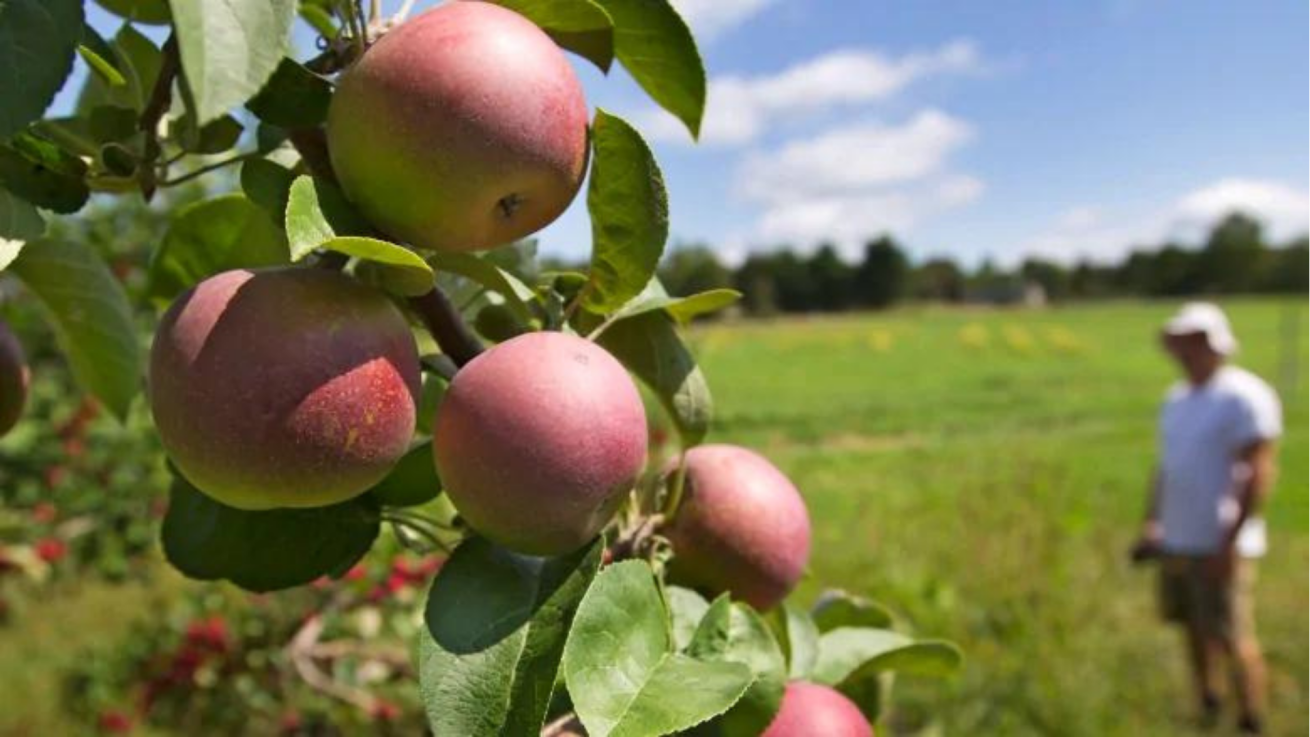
977 129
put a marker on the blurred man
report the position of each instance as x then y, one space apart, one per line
1217 433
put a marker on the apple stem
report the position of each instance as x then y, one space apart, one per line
679 484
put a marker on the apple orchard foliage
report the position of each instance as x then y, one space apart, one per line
312 380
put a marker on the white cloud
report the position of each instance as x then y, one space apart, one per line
742 108
852 182
853 157
708 18
1090 233
1283 209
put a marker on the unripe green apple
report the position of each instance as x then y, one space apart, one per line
462 129
14 378
742 527
539 440
283 388
810 710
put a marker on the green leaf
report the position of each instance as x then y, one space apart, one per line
498 323
937 658
19 222
268 185
91 317
205 238
18 219
845 650
214 137
229 50
319 216
108 123
649 346
848 653
654 44
838 608
799 638
496 628
735 633
101 66
141 11
294 97
316 213
403 272
581 26
682 309
138 60
517 294
43 173
413 481
622 674
266 550
686 610
629 214
38 40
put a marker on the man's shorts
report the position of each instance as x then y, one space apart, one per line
1221 609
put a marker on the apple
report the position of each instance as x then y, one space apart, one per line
462 129
810 710
539 440
742 527
284 387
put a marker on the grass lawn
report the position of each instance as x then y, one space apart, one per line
982 472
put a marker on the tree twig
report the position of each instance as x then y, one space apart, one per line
300 650
448 328
160 98
311 144
208 168
568 724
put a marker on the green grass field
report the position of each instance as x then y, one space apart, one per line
982 472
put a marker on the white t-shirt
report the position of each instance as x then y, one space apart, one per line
1202 431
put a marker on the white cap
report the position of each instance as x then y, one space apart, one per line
1207 318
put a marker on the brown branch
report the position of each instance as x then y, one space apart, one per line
448 328
160 98
566 726
299 651
312 145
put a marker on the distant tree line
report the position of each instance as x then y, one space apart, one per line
1234 258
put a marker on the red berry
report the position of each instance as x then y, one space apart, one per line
356 572
44 513
385 711
54 476
50 549
74 447
115 722
396 583
290 722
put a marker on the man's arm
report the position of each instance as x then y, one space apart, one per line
1253 486
1148 543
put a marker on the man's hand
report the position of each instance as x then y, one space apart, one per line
1147 547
